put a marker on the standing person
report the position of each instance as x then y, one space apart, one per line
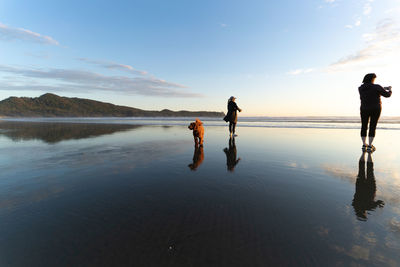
371 106
231 116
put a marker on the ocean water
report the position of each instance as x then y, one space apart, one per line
138 192
387 123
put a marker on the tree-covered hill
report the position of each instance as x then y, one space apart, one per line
51 105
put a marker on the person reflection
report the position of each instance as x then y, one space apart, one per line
364 197
198 157
231 154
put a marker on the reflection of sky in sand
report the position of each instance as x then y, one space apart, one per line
305 177
336 153
368 244
53 167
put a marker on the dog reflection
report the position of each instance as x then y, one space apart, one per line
231 154
198 157
364 197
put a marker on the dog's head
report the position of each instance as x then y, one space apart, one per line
192 126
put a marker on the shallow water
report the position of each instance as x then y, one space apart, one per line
85 194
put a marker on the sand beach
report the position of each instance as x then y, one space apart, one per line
126 195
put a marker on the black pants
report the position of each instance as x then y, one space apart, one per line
371 115
232 126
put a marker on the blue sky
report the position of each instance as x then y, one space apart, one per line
279 58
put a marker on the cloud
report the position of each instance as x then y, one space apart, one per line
357 23
10 34
112 65
383 40
300 71
330 1
40 55
87 81
367 9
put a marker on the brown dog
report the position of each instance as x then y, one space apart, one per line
198 131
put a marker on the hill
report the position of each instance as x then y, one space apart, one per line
51 105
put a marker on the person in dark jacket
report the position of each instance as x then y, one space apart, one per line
231 116
371 106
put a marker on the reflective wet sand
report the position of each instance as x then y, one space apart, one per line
146 196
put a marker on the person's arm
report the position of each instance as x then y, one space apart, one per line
237 108
383 91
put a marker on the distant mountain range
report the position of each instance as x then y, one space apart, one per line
51 105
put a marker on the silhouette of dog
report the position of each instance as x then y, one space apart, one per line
198 131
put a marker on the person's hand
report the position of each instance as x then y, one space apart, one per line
240 110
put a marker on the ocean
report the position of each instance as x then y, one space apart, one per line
330 122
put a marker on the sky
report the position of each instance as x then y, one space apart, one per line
279 58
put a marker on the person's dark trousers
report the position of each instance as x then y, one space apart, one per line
232 127
371 115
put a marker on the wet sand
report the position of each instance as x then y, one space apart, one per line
145 196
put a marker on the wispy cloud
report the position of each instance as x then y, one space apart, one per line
113 65
87 81
8 33
357 23
384 39
367 8
300 71
40 55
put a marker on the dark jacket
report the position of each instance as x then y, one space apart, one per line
232 112
370 95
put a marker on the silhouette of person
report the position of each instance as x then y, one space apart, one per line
364 197
231 154
371 107
232 116
198 157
